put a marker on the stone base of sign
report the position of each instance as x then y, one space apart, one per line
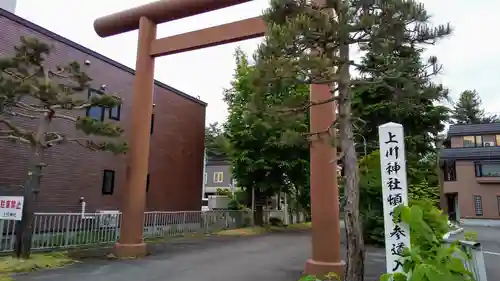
130 250
319 268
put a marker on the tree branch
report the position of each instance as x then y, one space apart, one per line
15 138
11 126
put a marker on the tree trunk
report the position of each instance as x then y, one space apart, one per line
354 243
24 228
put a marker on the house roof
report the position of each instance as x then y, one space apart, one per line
473 129
56 37
218 161
471 153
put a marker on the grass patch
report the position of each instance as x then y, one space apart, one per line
38 261
304 225
247 231
251 231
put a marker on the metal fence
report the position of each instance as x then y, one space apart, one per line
474 261
71 230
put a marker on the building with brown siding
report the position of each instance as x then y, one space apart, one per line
471 168
73 173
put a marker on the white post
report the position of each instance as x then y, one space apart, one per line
394 192
286 209
253 206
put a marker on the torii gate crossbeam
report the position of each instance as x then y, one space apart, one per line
323 179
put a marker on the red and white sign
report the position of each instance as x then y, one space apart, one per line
11 208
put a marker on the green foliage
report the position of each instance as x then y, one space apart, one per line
30 90
262 153
215 142
329 277
416 107
428 259
371 207
468 110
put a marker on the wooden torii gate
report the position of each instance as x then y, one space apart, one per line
323 179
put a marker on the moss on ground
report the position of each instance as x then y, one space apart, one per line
38 261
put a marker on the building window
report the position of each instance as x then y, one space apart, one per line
114 113
152 124
450 171
478 205
498 204
491 169
218 177
497 138
108 182
147 183
469 141
205 178
489 140
95 112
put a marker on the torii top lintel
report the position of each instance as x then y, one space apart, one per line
159 12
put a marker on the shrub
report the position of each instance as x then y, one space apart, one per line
428 258
371 207
274 221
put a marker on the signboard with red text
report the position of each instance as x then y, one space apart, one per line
11 208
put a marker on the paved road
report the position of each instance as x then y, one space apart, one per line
490 240
276 257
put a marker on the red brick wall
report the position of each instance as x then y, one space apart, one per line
176 158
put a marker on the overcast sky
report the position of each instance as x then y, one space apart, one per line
470 56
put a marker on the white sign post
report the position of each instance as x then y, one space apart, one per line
11 207
394 192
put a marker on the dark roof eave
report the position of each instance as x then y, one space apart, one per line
90 52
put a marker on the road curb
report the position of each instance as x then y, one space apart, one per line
453 232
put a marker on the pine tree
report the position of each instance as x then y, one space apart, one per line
309 42
412 99
468 110
31 90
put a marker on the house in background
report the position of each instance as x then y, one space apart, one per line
470 161
76 175
217 175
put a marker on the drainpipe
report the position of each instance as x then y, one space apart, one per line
204 171
83 209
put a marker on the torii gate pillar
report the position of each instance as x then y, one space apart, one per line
324 189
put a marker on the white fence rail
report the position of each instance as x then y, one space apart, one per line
71 230
475 258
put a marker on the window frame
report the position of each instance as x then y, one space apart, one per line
473 141
216 177
111 173
478 169
478 201
450 170
479 140
498 204
87 113
118 113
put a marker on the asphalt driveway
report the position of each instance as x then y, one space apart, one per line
276 257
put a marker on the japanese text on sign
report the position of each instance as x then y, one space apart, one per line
394 192
11 207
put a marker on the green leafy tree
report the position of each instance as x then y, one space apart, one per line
422 187
309 42
215 141
30 90
263 156
410 99
468 110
